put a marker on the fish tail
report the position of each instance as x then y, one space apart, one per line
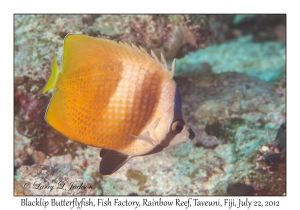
53 77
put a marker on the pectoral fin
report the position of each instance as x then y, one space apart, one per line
112 161
146 137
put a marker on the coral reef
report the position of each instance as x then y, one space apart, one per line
240 189
233 96
262 27
264 60
34 47
173 35
187 170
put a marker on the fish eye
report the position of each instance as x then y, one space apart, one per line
177 126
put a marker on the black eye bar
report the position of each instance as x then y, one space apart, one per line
191 134
177 108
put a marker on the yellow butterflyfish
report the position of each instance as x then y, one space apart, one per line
117 97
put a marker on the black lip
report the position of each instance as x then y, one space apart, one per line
192 134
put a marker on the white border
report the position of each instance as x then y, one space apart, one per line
202 7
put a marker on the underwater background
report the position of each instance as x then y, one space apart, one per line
231 73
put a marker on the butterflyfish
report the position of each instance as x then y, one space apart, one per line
117 97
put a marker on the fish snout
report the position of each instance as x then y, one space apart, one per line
191 134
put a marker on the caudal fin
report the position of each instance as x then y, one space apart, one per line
53 77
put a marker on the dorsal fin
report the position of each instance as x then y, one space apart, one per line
126 44
135 47
84 52
143 50
152 55
163 61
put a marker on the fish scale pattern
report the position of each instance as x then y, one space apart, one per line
102 108
108 94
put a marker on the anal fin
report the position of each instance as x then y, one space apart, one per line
112 161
